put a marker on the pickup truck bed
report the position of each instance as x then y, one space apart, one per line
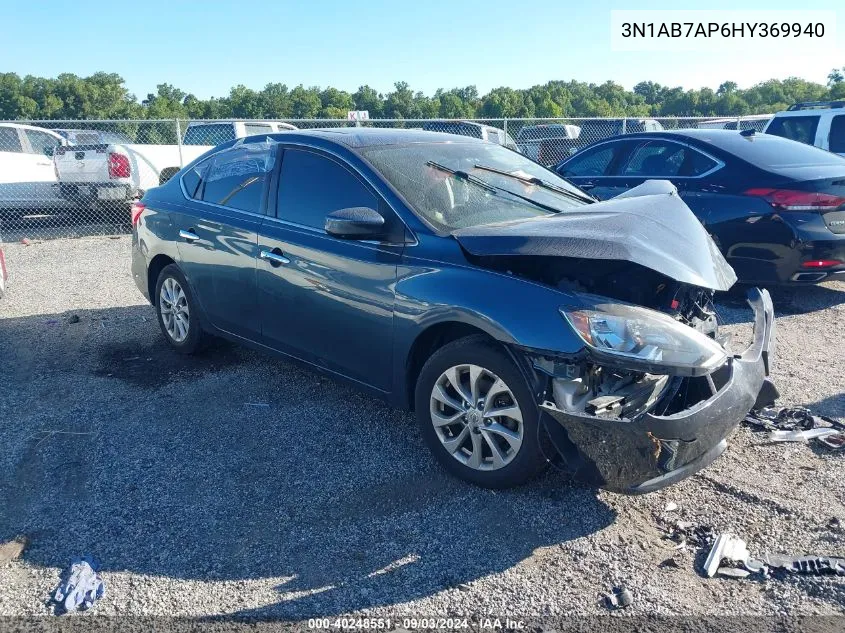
115 174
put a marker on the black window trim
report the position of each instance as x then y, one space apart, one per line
639 142
410 237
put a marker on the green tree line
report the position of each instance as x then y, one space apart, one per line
105 96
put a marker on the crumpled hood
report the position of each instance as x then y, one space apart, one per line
649 225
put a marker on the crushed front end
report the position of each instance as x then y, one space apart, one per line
632 422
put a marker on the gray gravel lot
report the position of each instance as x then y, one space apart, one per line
235 483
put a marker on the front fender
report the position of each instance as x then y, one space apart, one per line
512 310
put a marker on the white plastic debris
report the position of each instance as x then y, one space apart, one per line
801 436
727 546
79 588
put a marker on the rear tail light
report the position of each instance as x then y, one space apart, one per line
118 165
821 263
136 211
791 200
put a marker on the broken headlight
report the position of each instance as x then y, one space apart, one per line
639 338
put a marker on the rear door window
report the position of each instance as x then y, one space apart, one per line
257 128
656 159
837 134
211 134
594 162
237 177
311 186
41 142
9 140
796 128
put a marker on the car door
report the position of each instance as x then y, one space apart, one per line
684 166
40 148
324 299
14 168
218 233
593 168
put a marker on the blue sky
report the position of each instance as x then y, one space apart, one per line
206 48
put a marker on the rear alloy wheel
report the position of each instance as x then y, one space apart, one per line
477 414
176 311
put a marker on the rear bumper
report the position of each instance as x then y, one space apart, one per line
139 266
98 191
817 238
650 452
819 251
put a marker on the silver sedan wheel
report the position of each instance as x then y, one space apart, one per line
173 305
476 417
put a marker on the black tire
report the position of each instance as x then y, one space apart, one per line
481 351
192 343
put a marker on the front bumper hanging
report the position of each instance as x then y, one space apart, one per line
650 452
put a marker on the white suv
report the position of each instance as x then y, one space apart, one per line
819 123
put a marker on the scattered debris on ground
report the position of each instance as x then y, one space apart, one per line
620 598
728 547
73 318
686 533
79 588
797 424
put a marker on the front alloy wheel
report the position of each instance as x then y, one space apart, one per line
476 417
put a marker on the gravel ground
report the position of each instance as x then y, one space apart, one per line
234 483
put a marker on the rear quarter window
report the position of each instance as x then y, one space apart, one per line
212 134
795 128
837 134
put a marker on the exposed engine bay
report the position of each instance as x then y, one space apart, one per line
619 280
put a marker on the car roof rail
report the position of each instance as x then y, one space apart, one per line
812 105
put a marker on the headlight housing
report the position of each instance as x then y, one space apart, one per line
642 339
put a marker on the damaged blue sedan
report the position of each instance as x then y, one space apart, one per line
523 321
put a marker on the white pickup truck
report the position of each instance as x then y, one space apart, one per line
111 174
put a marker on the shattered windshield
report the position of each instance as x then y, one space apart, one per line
441 183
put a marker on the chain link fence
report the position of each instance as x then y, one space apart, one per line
78 177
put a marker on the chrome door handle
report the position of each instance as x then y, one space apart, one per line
275 259
188 236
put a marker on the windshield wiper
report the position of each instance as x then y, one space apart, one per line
534 180
458 173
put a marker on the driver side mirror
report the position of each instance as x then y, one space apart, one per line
355 223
